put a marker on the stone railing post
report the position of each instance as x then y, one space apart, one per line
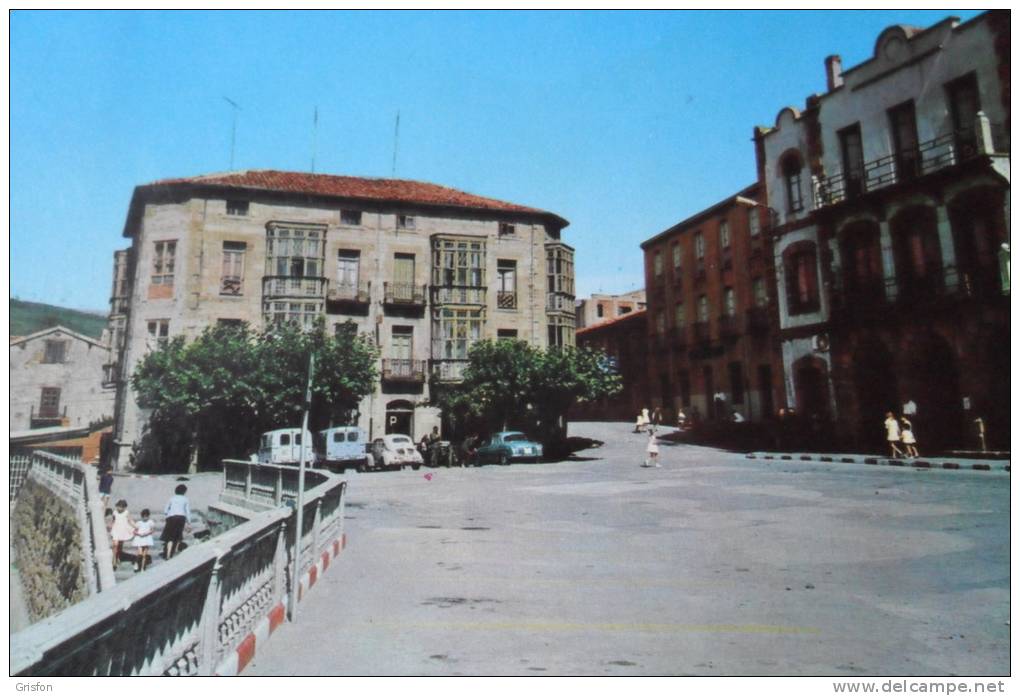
983 131
316 528
247 482
280 564
210 623
278 491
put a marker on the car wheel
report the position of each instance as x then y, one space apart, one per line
415 467
503 459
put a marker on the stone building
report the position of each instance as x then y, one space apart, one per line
710 309
891 194
59 379
598 308
424 269
624 338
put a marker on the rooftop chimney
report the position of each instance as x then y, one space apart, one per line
833 72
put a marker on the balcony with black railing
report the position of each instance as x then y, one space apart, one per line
293 287
701 332
729 327
757 320
941 152
403 370
404 294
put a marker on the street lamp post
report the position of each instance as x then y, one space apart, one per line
299 522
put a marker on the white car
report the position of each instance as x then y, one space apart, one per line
395 452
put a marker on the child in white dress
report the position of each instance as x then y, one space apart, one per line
653 450
908 439
143 540
123 529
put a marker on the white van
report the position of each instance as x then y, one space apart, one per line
342 446
284 447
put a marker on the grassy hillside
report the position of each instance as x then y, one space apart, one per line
29 317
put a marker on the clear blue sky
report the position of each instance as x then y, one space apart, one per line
623 123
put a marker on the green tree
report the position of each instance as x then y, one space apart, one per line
513 385
212 398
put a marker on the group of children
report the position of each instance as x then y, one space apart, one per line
139 532
900 432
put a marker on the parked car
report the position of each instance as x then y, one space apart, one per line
506 447
395 452
342 447
283 446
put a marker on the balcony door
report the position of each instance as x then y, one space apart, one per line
853 160
348 268
402 344
403 276
903 122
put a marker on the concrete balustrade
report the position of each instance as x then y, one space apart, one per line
191 613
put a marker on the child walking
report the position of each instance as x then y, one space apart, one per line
908 439
652 450
143 540
123 529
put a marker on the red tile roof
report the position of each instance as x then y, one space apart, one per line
606 323
388 190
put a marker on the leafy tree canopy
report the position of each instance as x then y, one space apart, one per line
214 396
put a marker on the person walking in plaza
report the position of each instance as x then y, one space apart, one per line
123 529
143 540
892 435
105 485
652 450
908 438
178 516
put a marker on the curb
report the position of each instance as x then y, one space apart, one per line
904 463
242 655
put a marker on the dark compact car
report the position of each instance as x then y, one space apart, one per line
506 447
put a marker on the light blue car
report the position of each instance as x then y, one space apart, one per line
508 446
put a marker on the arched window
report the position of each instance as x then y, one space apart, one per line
801 269
791 167
862 261
917 252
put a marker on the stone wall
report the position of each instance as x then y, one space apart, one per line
47 539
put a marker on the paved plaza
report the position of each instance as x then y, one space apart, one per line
712 565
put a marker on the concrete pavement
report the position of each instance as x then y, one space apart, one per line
714 564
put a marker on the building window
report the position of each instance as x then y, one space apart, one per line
163 263
729 302
230 323
350 217
159 333
660 322
852 151
903 123
459 263
724 234
679 320
599 310
736 382
800 266
405 222
791 167
676 258
657 266
506 284
56 352
753 221
760 294
506 334
506 228
699 246
348 267
624 309
456 330
964 104
703 308
237 207
294 252
49 402
303 314
561 330
232 275
402 340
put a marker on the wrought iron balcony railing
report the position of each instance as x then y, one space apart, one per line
506 299
404 294
929 156
449 370
403 370
231 285
293 287
350 292
729 326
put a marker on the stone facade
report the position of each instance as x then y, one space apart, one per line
711 308
424 270
59 378
599 308
891 191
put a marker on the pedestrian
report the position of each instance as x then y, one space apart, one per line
178 516
123 529
105 485
681 419
908 438
652 450
892 435
143 540
736 417
642 421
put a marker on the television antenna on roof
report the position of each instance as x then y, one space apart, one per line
396 142
233 128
